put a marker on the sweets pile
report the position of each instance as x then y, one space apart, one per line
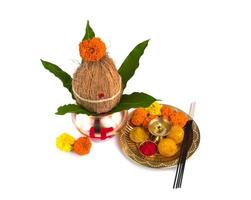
167 145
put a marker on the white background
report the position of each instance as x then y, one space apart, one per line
199 51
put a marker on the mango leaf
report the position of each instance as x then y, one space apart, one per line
72 108
89 33
59 73
134 100
131 62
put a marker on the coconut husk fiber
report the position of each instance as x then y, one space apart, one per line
97 85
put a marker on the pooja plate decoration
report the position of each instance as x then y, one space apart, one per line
99 107
133 150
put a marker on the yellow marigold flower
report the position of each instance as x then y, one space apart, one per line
154 108
65 142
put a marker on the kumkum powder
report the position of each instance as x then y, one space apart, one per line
148 148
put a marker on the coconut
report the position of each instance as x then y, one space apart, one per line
97 86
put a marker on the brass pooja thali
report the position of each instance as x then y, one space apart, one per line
131 149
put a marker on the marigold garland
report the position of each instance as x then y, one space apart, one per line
82 146
92 50
179 119
138 116
147 120
167 111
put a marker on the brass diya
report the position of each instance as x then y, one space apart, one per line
159 127
131 150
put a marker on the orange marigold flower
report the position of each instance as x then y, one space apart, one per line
138 116
92 50
82 146
179 119
147 120
167 111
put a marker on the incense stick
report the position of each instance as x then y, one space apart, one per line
184 149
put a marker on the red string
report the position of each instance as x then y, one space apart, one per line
103 133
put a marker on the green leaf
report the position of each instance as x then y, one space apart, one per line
89 33
59 73
72 108
134 100
131 62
